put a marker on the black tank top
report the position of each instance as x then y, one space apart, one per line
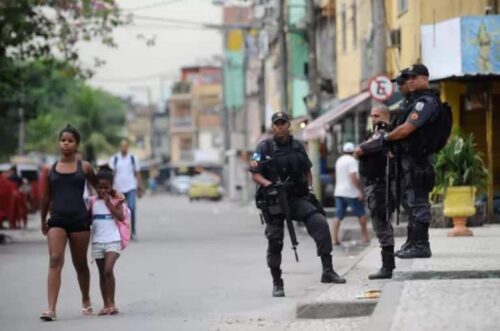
67 195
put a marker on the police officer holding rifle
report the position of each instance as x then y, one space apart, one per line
281 168
423 130
377 171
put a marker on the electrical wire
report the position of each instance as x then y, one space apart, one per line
128 80
172 20
154 5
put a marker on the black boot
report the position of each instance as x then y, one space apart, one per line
409 238
329 275
278 289
421 247
388 264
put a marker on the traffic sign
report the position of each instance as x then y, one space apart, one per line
381 88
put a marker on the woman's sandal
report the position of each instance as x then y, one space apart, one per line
87 310
104 311
114 311
48 316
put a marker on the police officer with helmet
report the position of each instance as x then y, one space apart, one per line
372 168
284 157
417 136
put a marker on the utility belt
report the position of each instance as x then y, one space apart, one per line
422 176
266 199
375 181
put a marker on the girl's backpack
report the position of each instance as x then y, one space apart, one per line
124 227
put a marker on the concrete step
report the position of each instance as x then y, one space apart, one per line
346 300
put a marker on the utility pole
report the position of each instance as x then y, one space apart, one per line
379 40
282 26
314 97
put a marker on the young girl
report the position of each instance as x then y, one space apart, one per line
69 219
106 211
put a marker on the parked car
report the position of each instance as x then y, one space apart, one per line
180 185
205 186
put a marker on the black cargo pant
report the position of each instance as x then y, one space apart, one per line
375 192
303 211
417 182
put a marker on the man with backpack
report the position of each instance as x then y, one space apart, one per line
422 131
127 179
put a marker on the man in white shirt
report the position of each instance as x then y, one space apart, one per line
348 192
127 179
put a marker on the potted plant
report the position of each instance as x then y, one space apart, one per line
460 172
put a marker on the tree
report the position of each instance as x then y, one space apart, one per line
99 116
43 35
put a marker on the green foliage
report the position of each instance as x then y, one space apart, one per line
459 163
35 29
98 115
39 53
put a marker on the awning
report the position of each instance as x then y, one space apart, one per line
317 128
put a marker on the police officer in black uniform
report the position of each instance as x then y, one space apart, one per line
286 157
372 168
415 135
404 89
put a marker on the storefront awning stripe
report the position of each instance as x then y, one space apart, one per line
317 128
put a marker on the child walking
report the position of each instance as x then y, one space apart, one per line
110 235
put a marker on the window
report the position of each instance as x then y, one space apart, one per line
354 24
402 6
395 36
344 27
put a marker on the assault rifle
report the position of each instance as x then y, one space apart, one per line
282 198
285 208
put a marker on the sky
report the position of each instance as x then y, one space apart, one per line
134 67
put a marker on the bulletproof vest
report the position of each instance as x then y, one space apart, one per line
418 143
372 166
289 160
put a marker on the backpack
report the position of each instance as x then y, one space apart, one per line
434 135
115 161
440 128
124 227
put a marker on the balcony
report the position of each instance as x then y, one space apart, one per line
186 155
182 122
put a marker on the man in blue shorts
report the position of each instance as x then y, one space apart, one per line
348 193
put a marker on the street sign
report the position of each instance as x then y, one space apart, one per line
381 88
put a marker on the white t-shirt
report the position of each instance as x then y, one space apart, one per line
344 167
104 228
125 180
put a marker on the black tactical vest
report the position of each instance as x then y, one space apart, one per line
289 162
372 166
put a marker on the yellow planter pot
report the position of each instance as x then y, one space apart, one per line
459 201
459 204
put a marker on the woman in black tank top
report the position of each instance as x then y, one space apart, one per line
69 219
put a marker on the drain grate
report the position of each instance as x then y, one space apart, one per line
452 274
326 310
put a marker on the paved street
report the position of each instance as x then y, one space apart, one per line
195 265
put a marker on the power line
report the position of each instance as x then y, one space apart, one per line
158 4
127 80
164 27
205 25
171 20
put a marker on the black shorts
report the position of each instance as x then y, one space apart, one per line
69 225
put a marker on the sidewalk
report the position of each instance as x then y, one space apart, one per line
457 289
